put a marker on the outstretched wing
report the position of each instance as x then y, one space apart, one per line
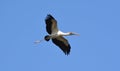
51 24
62 43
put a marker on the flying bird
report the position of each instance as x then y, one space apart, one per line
56 35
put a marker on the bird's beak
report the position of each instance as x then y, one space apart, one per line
76 34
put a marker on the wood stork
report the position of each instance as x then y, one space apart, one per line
56 35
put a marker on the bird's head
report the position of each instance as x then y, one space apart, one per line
72 33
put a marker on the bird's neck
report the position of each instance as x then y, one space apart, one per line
63 34
66 34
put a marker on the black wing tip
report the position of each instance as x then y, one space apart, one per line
65 48
49 16
67 52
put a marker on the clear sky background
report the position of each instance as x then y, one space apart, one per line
96 49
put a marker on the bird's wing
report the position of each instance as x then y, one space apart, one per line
62 43
51 24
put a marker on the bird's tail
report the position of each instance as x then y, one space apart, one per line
47 37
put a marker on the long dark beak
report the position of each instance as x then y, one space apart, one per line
75 34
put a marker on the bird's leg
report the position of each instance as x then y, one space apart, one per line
38 41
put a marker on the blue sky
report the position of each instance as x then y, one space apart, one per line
96 49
